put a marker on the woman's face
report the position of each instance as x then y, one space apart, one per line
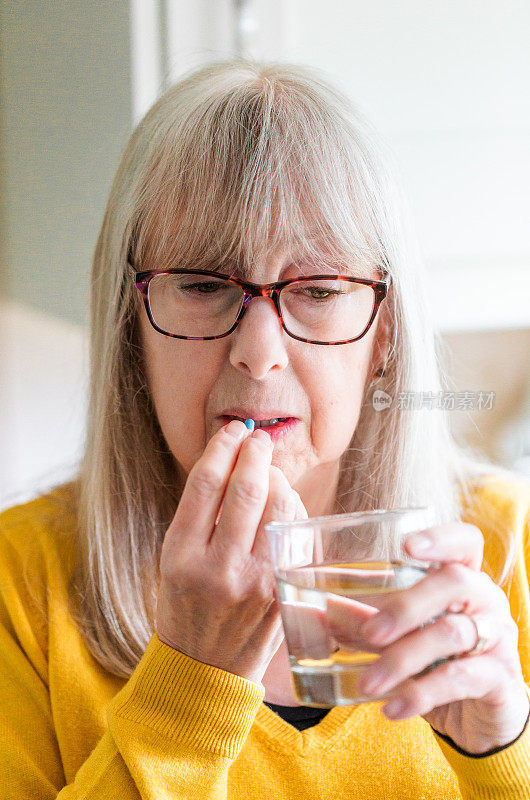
260 367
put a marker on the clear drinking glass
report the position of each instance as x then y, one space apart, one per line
327 565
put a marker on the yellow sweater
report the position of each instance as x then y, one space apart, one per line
179 728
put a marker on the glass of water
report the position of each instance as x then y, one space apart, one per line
332 566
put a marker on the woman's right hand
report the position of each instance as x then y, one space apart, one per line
216 598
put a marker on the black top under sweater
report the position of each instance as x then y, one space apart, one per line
300 717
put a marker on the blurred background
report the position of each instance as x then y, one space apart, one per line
446 84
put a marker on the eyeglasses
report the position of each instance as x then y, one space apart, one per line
317 309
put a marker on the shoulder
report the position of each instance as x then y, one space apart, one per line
42 529
499 505
36 559
503 494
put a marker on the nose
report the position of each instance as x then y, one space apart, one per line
258 342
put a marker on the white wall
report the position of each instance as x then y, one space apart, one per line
65 94
42 400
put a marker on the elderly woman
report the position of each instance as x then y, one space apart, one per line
253 263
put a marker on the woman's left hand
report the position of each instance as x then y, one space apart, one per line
479 701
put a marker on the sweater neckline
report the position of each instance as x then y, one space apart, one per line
281 734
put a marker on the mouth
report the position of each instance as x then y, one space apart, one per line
277 427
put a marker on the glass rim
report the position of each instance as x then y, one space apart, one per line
338 520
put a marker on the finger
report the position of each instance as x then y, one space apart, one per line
459 541
206 484
313 631
345 618
449 635
283 505
461 679
451 585
245 498
307 634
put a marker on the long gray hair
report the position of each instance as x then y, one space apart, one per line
236 158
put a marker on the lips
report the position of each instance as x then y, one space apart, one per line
277 432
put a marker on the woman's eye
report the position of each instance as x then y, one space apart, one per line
315 293
202 288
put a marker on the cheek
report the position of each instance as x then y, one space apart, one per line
180 414
337 401
179 383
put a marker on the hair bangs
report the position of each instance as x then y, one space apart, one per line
253 172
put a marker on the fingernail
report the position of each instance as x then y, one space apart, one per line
419 543
250 424
235 429
378 627
373 681
394 708
259 433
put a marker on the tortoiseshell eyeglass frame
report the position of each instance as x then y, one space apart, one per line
250 290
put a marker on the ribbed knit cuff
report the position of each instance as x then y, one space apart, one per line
505 772
185 699
480 755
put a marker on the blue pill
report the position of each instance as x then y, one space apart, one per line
250 424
